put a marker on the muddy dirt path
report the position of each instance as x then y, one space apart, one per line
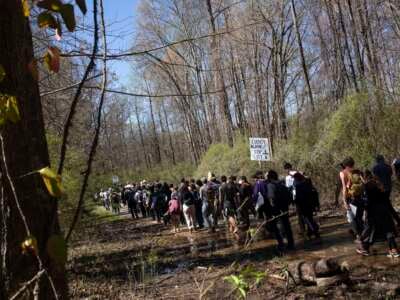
139 259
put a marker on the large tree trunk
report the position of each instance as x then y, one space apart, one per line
25 151
219 77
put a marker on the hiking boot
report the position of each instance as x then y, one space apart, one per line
362 252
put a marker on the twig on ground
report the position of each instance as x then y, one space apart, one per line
263 224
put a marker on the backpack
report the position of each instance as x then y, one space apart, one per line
139 196
211 193
356 186
283 197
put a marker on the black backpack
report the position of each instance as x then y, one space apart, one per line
314 196
283 197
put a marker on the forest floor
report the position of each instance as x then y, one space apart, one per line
139 259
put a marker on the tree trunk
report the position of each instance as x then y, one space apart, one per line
156 142
25 150
145 154
171 146
219 78
303 60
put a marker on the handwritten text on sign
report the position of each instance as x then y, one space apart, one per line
259 149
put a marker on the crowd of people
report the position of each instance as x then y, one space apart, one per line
206 203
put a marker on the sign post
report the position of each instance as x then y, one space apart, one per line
260 149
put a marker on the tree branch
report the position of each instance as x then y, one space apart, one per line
93 147
79 90
46 93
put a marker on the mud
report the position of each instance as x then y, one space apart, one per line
138 259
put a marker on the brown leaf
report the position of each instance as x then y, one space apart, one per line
32 66
52 59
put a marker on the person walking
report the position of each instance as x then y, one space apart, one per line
305 204
207 207
264 209
188 207
289 180
174 210
384 173
245 203
379 222
195 188
352 189
280 197
230 194
131 201
140 201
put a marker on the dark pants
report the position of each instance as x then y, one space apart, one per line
142 209
309 222
156 213
199 215
271 226
208 212
392 211
133 210
286 229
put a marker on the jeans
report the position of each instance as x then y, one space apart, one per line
199 213
356 220
207 210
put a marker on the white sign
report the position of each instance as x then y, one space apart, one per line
259 149
115 179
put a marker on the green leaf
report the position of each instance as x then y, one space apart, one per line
68 15
26 8
52 182
57 249
2 73
12 111
82 6
8 109
236 279
46 19
53 5
242 292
